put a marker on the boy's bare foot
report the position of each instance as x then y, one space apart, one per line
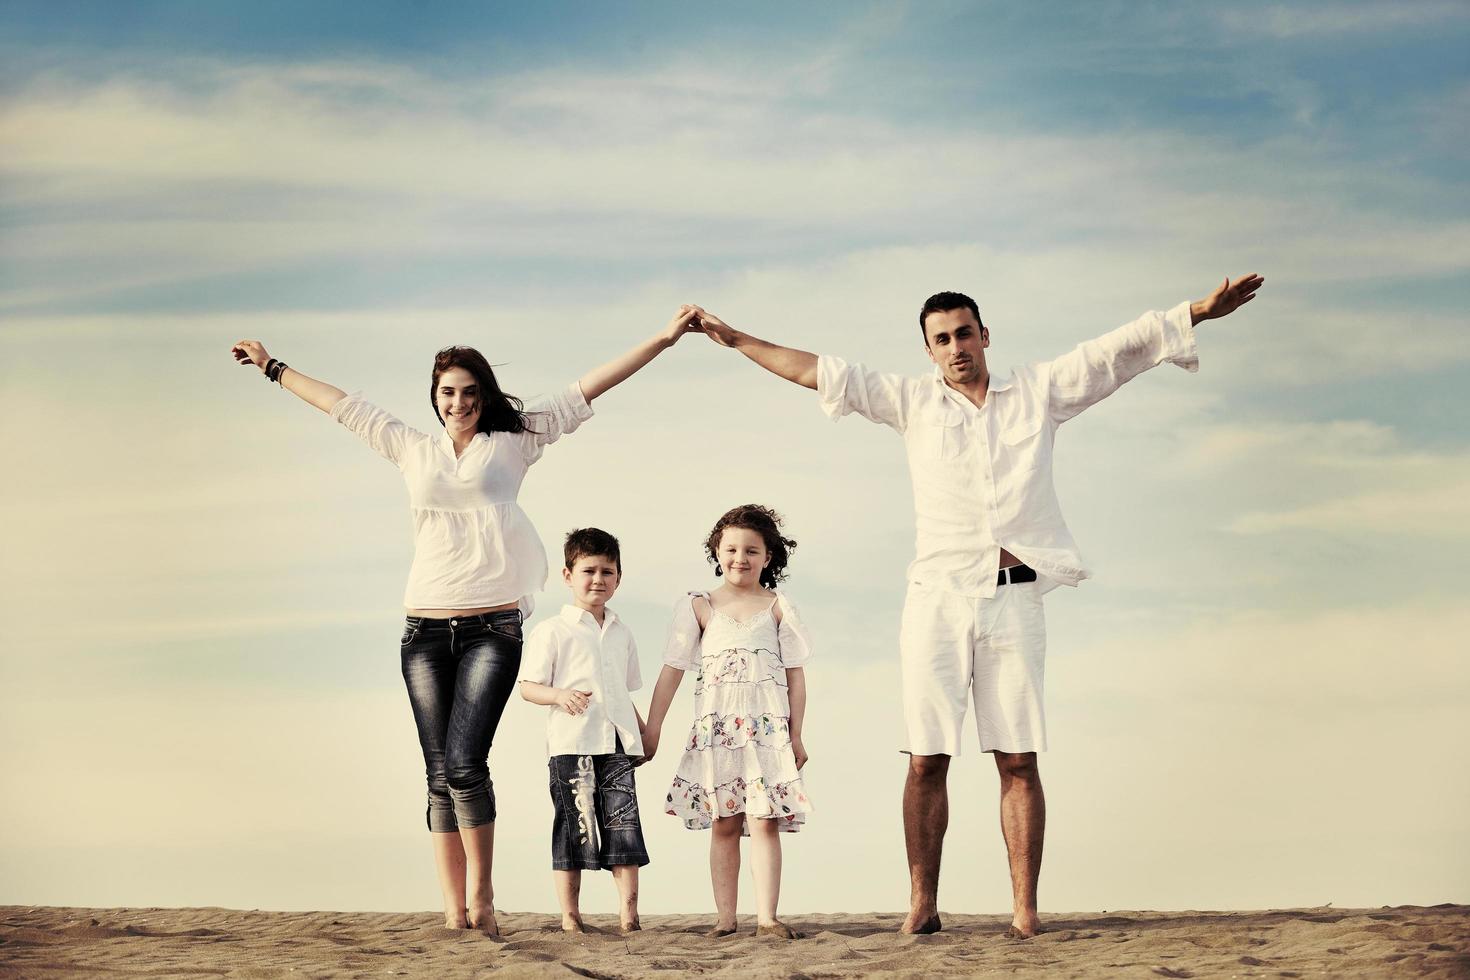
482 919
720 932
915 925
572 923
778 929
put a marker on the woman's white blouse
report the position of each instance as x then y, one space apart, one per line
473 545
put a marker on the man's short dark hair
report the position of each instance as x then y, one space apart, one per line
943 303
591 542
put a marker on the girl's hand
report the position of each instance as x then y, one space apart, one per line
718 330
684 321
572 702
250 352
650 743
800 751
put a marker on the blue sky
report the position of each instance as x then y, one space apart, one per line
200 569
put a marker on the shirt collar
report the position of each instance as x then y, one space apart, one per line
993 383
576 614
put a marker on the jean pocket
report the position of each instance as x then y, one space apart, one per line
410 630
509 627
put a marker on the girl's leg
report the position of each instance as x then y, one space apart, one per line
626 877
489 656
569 896
429 674
765 867
724 870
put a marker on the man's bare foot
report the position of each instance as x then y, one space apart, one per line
482 919
776 928
630 925
921 924
720 932
1014 931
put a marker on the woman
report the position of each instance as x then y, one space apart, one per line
477 559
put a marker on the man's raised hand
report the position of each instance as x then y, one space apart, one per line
1226 299
717 330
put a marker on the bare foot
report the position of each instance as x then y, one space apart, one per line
483 919
572 923
630 925
720 932
456 920
1014 931
778 929
918 924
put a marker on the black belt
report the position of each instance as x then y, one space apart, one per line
1015 574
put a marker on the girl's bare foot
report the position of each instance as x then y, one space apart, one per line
456 919
572 923
776 928
482 918
720 931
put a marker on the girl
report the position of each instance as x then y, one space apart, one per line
477 559
741 769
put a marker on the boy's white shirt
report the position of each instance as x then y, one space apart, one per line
571 651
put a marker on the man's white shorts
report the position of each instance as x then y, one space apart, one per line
953 647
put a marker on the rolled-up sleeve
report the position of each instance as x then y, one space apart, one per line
384 434
845 388
538 657
550 417
794 638
1097 368
682 648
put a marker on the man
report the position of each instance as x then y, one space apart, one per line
990 541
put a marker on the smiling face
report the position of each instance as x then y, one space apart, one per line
742 555
957 342
457 397
593 580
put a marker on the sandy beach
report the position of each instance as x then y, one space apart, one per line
1409 941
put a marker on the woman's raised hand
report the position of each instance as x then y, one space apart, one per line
685 320
250 352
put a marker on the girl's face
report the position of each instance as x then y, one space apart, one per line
743 556
457 396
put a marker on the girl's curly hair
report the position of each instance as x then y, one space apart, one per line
765 522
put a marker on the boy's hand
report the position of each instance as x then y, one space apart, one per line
573 702
800 751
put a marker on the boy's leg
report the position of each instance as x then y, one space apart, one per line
724 870
569 897
765 867
626 878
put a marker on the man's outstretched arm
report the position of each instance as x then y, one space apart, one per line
1226 299
797 366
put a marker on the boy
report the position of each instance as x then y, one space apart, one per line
583 663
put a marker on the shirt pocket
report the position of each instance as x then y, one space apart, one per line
1024 443
942 433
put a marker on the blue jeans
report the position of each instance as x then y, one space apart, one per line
460 673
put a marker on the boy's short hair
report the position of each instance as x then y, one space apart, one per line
591 542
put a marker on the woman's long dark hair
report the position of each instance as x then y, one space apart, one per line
499 412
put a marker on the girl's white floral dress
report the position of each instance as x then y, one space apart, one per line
738 756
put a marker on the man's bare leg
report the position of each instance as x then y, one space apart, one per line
1023 823
925 819
449 862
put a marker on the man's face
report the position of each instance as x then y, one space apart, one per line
957 344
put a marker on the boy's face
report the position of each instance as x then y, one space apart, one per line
593 579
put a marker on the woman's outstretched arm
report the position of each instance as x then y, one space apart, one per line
608 376
313 392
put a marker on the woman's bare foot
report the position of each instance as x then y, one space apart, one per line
482 918
456 919
776 928
631 925
720 931
921 924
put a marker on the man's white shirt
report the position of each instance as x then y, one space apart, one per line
572 652
982 477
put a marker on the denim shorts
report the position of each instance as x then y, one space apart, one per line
596 825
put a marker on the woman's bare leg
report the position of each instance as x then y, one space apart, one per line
479 851
449 861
